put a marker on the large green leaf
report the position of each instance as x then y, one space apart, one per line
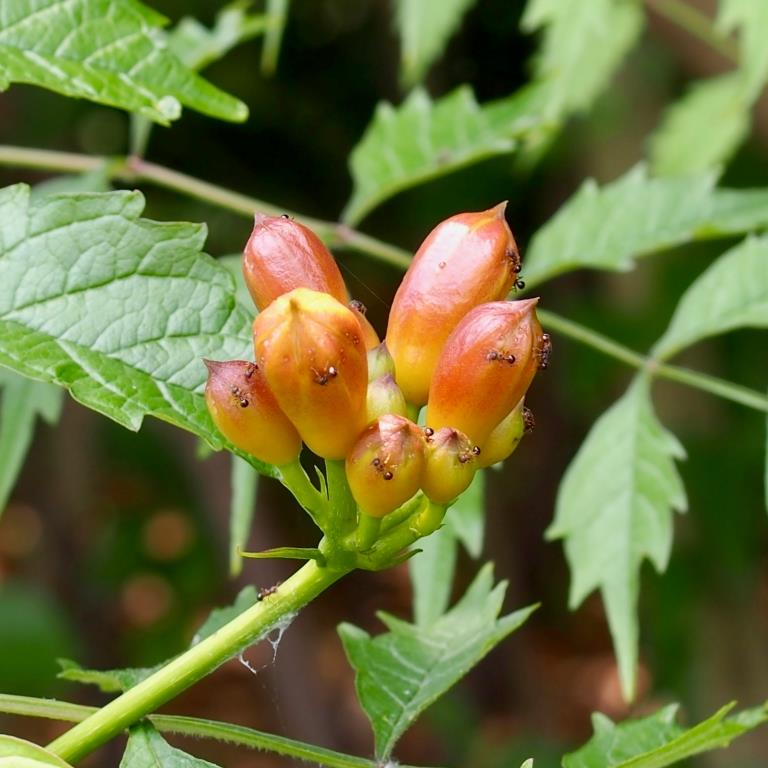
583 45
22 403
17 753
109 52
680 145
732 293
607 227
431 572
400 673
148 749
656 741
614 510
423 139
118 309
466 517
425 26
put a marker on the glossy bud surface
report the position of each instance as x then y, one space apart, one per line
504 438
485 368
247 413
281 255
384 396
311 350
468 259
385 466
370 337
450 466
380 362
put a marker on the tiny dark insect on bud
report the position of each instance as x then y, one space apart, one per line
492 355
358 305
518 268
545 351
529 422
332 372
476 450
519 284
284 216
267 591
428 431
510 359
388 475
244 402
376 462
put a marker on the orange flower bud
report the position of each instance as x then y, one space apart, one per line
485 368
370 336
385 466
281 255
247 414
506 436
468 259
311 350
380 362
384 396
451 464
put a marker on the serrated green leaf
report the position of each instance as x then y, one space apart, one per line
466 517
148 749
423 139
17 753
614 509
197 46
657 741
234 265
402 672
425 26
750 18
431 572
680 146
244 482
277 17
583 45
731 293
119 680
108 52
117 309
21 403
607 227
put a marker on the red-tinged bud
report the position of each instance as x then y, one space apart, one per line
281 255
385 466
466 260
451 464
370 337
380 362
311 350
247 414
506 436
384 396
485 368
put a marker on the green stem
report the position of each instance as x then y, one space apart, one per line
343 505
191 726
178 675
295 479
135 169
711 384
696 23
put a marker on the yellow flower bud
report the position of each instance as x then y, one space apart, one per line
247 414
468 259
485 368
506 436
450 466
311 350
385 466
380 362
281 255
370 336
384 396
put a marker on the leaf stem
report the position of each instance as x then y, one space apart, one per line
711 384
185 670
191 726
135 169
696 23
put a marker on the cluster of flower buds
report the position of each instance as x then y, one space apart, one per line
321 377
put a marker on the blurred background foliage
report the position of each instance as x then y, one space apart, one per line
113 547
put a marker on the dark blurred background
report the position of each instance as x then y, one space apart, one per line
114 545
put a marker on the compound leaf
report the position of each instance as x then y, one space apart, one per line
656 741
117 309
146 748
731 293
425 26
613 510
109 52
423 139
400 673
583 45
607 227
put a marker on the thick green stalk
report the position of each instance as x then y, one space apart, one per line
191 666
